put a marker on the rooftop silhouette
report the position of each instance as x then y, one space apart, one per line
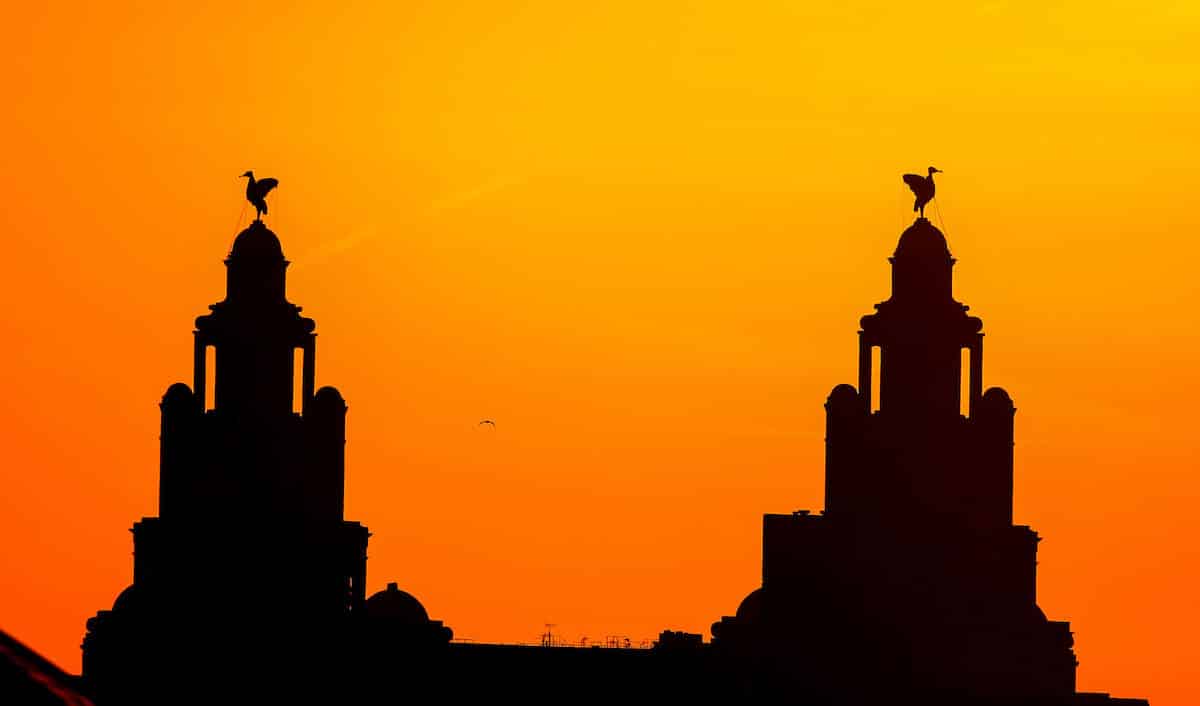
913 585
29 679
913 578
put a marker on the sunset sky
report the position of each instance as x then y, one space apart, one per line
639 236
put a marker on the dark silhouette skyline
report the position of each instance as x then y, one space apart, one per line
911 586
913 579
250 549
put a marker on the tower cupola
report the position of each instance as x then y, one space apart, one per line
922 265
920 332
254 333
255 268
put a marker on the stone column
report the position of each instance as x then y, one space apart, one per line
308 382
864 370
976 380
199 370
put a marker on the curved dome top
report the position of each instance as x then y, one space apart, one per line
843 397
134 599
751 607
178 393
922 239
330 395
997 395
394 604
127 599
997 401
256 242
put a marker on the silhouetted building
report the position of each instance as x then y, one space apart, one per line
913 586
250 564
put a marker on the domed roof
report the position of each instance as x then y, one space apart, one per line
997 395
751 607
996 401
922 239
394 604
256 242
127 599
330 395
135 599
178 393
843 397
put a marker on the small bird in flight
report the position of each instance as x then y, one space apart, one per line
922 187
256 192
488 421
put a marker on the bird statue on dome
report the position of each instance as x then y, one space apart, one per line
922 187
257 190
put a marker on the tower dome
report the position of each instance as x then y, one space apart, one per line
256 242
922 265
922 239
256 267
397 605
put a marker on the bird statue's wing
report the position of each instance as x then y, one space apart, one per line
914 181
265 185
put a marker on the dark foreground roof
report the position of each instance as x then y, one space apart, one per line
29 679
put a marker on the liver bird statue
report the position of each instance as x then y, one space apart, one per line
257 190
922 187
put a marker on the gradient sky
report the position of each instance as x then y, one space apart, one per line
637 235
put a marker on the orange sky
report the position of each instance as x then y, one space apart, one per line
639 236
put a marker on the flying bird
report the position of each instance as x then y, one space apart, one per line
256 192
922 187
488 421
